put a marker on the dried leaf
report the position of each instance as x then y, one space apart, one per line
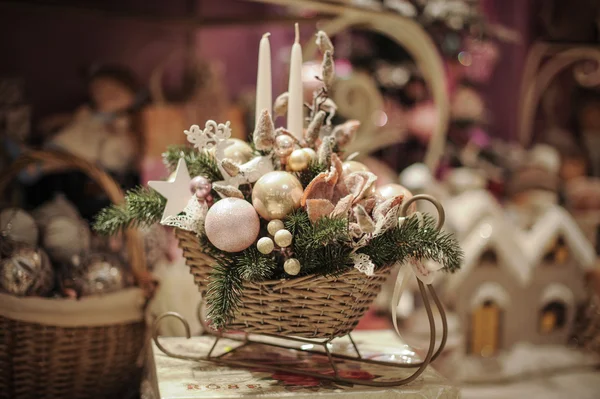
359 183
227 191
343 206
364 220
383 208
230 167
314 127
322 186
317 208
328 70
345 133
326 150
323 42
281 104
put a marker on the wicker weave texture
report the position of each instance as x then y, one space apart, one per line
44 361
38 361
309 307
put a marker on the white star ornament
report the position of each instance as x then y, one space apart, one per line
177 192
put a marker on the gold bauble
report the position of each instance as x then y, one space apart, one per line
354 166
239 152
392 190
274 226
283 238
265 245
292 266
276 194
299 160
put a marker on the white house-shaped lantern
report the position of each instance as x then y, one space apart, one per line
484 294
520 286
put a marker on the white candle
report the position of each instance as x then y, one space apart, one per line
263 78
295 118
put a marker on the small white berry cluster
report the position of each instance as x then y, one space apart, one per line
283 239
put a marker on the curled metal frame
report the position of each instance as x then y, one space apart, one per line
537 77
247 339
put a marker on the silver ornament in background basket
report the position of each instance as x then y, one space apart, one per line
18 226
93 274
26 272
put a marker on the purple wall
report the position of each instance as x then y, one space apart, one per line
502 93
49 49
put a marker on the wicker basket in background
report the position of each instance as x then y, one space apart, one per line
62 348
310 307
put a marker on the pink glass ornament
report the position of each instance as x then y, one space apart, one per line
200 186
232 224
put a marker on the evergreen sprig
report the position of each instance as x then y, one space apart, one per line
329 230
198 162
321 248
411 239
224 293
255 266
142 207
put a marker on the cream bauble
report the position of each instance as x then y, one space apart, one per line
312 153
274 226
292 266
18 226
392 190
283 238
298 160
64 237
354 166
276 194
284 145
232 224
265 245
239 152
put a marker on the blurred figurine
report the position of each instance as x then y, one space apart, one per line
103 132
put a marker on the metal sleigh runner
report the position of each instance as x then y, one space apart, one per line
287 237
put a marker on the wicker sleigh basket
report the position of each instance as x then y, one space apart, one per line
61 348
309 307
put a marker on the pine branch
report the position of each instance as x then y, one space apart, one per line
254 266
112 219
198 162
328 230
173 153
413 240
297 221
224 293
143 207
320 248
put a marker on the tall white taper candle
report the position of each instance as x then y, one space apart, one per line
295 118
263 78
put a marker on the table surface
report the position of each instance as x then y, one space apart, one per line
172 378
